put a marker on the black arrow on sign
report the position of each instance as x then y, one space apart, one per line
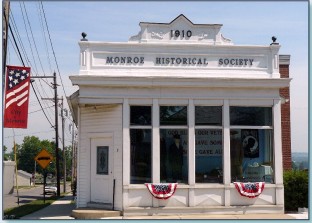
44 158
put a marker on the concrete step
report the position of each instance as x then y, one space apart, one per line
91 213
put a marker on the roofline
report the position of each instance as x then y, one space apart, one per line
155 81
181 15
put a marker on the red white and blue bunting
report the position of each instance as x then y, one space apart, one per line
250 190
162 190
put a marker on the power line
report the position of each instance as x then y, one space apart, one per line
29 133
41 104
53 49
40 109
35 46
32 35
22 46
24 66
30 46
44 36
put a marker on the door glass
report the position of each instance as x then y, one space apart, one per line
102 160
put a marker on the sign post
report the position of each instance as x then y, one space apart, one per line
43 159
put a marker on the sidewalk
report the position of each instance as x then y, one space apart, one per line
62 209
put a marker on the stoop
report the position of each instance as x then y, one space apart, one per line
91 213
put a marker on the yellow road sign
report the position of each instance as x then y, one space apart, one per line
44 158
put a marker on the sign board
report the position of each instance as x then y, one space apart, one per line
44 158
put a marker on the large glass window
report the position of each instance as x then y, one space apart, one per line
173 155
208 144
141 144
173 144
252 146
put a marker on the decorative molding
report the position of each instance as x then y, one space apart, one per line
156 35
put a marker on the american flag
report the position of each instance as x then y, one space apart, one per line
16 96
161 190
18 86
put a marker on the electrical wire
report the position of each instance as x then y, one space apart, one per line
30 46
24 66
45 19
29 134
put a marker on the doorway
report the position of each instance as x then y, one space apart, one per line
102 171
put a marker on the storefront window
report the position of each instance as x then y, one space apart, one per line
173 155
208 144
252 147
141 144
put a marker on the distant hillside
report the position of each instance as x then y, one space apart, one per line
301 160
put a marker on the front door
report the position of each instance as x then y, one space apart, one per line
102 170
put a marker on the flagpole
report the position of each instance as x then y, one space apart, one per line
15 159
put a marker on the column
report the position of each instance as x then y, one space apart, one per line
155 147
278 163
226 152
191 152
125 151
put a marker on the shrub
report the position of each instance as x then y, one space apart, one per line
295 189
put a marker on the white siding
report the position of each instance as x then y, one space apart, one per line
99 120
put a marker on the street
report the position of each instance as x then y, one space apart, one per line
27 195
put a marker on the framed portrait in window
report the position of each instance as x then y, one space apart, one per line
250 142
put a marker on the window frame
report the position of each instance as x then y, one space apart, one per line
143 127
174 127
251 127
196 127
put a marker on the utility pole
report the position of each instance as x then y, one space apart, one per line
56 137
56 129
5 25
64 154
73 155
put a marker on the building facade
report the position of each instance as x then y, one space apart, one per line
180 103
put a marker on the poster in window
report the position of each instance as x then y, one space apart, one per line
250 141
102 160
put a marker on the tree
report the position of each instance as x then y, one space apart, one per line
27 152
5 155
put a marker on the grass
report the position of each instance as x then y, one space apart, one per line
29 208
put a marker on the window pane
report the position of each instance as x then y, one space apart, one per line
173 155
208 152
102 160
140 156
208 115
254 116
140 115
252 155
173 115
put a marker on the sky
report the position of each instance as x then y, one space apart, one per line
56 48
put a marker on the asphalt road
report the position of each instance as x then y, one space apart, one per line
26 196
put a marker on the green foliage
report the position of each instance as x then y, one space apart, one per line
295 189
29 149
27 152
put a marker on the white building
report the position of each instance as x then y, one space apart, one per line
178 80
